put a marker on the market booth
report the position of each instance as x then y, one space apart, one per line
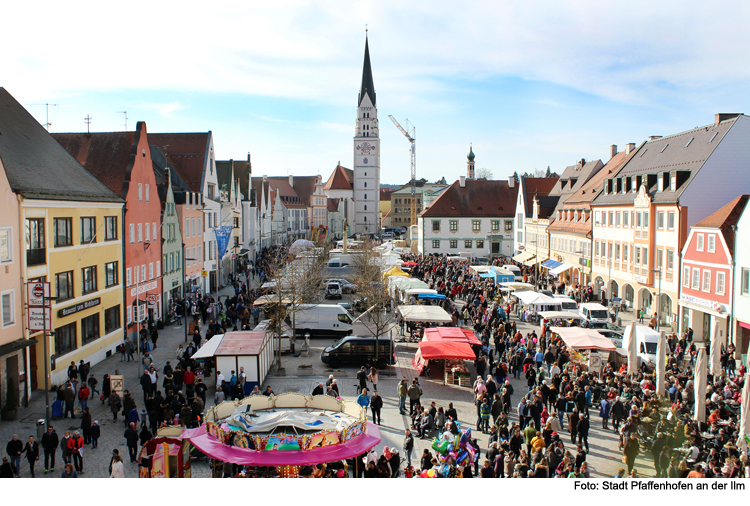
588 347
165 456
284 432
450 347
252 350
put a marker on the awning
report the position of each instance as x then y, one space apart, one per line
583 339
551 264
429 314
208 349
432 350
451 334
523 257
540 258
16 345
431 296
559 269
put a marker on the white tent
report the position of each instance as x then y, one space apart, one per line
744 428
534 298
629 337
583 339
428 314
700 385
715 358
661 366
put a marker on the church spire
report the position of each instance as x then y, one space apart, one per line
367 85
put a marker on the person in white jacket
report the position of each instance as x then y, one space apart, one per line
118 471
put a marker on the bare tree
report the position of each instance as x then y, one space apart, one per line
378 318
484 173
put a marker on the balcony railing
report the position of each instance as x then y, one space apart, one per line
36 256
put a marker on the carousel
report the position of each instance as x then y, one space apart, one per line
286 432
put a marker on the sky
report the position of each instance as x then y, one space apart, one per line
528 84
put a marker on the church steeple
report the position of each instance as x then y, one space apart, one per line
470 163
367 88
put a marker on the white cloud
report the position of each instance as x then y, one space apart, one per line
165 109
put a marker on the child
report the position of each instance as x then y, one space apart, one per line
96 432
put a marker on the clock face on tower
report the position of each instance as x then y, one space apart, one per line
366 148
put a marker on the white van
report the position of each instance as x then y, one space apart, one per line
322 320
567 304
516 272
593 312
647 341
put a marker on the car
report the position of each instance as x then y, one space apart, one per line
333 290
388 234
612 335
346 286
346 306
482 261
606 326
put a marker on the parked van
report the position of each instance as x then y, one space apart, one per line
592 312
355 350
647 341
333 290
322 320
568 304
515 270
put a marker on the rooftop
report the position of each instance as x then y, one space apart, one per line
486 198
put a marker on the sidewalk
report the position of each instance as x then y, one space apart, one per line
96 460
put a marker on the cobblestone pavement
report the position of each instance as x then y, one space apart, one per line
604 457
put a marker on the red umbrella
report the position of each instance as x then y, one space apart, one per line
410 264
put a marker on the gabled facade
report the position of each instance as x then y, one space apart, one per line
470 216
294 213
644 212
740 303
528 188
340 185
707 272
231 215
401 202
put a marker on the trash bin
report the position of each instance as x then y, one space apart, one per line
40 429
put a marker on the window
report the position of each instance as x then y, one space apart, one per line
110 228
88 278
670 259
711 243
128 278
720 283
508 225
480 244
158 268
454 244
625 251
645 257
706 281
435 244
467 244
617 252
9 310
63 230
453 225
476 225
745 281
148 233
199 227
597 217
6 245
604 219
645 219
686 277
140 232
625 217
112 273
696 278
436 225
611 220
64 285
660 220
88 230
140 192
132 233
151 270
617 218
90 327
147 192
638 220
596 249
153 227
670 220
187 227
111 319
495 225
36 253
137 274
699 242
65 339
637 255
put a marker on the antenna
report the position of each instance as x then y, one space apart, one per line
124 113
47 104
87 119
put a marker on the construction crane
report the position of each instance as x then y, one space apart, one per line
411 136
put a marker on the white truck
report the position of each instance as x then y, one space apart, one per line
593 312
646 341
321 320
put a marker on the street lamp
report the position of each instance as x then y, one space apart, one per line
580 253
658 301
184 299
47 414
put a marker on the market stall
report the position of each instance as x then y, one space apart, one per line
395 271
559 319
451 346
583 345
165 457
424 314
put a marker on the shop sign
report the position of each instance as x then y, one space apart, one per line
78 307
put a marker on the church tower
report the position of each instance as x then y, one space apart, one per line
366 156
470 164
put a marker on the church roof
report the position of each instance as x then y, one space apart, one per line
367 85
341 179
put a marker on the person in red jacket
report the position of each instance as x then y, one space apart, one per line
75 445
188 376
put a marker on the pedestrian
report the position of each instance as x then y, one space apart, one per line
363 399
414 392
401 391
408 447
131 438
362 379
70 396
376 404
630 452
32 453
92 383
75 445
86 425
50 442
67 455
583 431
118 470
6 470
123 351
14 449
69 472
604 412
96 433
114 405
373 377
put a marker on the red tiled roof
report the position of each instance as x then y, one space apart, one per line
333 205
724 218
341 179
479 198
187 153
536 186
385 193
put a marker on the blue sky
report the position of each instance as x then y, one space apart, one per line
530 84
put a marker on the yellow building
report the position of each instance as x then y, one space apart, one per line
72 239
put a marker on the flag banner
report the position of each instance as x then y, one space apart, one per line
222 239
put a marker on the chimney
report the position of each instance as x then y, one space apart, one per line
583 162
462 181
291 180
723 116
654 137
612 150
629 147
511 182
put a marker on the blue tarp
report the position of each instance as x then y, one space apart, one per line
431 296
551 264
